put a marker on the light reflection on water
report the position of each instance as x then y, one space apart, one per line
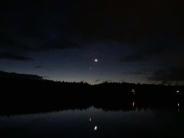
94 123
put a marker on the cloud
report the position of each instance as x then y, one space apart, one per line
127 21
35 43
150 28
34 27
144 53
18 47
12 56
97 80
155 47
38 67
9 75
172 74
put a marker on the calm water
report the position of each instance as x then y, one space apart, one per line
94 123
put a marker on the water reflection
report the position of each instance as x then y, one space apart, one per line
136 116
90 119
133 104
85 123
95 128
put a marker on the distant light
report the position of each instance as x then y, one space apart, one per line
133 91
178 104
96 60
95 128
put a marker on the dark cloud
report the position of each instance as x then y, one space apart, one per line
18 47
9 75
38 66
127 21
157 47
97 80
12 56
152 29
146 53
22 43
173 74
165 62
49 24
136 57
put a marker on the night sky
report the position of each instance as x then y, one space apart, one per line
139 41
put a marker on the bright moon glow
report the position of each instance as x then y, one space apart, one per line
95 60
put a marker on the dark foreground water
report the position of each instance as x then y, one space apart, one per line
94 122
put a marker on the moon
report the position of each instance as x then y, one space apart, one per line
96 60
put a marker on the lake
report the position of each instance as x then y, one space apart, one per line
94 122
